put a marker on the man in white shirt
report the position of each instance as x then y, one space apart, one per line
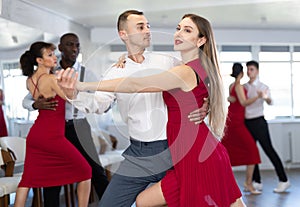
258 127
147 158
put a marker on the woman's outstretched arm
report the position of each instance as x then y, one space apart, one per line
182 77
67 81
242 96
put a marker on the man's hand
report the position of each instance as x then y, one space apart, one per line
67 82
231 99
265 95
199 115
45 103
121 62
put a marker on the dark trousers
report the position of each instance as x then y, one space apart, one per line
145 163
99 179
258 127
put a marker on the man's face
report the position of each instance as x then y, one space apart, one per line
69 48
137 31
252 72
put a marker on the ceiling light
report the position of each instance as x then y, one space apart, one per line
14 39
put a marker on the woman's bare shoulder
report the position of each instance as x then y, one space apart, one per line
46 84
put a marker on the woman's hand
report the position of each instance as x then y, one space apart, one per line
79 86
67 80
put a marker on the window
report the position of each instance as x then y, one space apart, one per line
15 90
295 82
277 75
275 71
230 55
279 68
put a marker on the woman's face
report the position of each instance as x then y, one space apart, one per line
137 32
49 59
186 36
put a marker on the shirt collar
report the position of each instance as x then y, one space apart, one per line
145 54
255 82
76 66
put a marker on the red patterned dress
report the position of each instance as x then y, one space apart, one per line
51 160
202 174
237 139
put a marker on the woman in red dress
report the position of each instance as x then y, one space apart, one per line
3 128
202 174
51 160
237 139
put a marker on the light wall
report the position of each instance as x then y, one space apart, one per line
50 22
222 36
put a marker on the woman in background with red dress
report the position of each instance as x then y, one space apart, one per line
237 139
3 128
51 160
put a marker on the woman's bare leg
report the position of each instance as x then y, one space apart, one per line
21 196
152 196
238 203
249 174
248 181
83 191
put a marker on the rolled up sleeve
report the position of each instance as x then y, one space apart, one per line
98 102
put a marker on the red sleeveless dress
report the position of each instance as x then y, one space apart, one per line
237 139
3 128
51 160
202 174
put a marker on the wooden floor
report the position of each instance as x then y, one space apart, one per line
267 199
291 198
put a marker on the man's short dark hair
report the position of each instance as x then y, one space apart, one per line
123 18
66 35
254 63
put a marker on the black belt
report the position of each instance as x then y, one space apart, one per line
140 143
71 121
255 119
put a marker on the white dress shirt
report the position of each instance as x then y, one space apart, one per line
69 107
256 109
144 113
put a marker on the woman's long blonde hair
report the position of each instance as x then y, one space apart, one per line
209 61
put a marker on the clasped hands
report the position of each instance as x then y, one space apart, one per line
67 80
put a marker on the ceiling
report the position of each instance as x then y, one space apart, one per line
14 35
229 14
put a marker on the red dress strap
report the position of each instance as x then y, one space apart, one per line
36 84
198 68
